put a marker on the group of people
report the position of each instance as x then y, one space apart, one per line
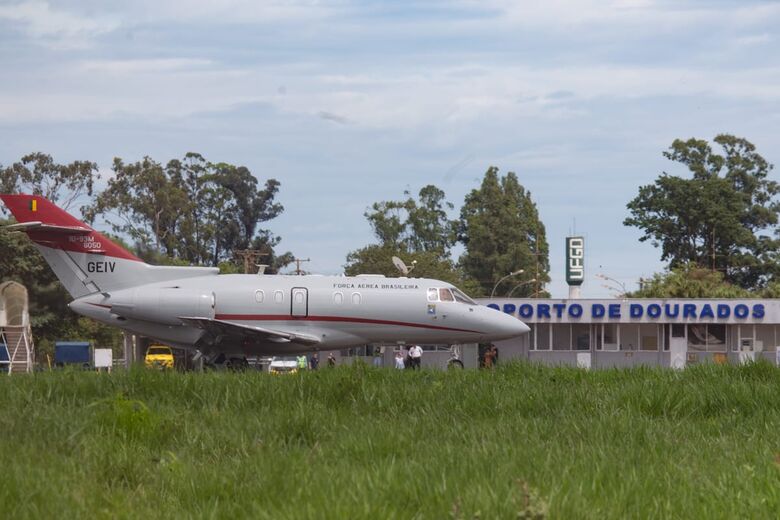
412 360
313 363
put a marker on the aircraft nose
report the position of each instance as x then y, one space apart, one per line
519 328
505 326
513 327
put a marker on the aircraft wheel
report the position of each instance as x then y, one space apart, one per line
455 364
237 364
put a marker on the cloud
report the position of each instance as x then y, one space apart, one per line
333 117
390 99
144 66
753 40
56 28
225 12
564 15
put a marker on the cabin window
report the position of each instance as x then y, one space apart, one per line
278 296
338 298
355 298
259 296
433 294
446 295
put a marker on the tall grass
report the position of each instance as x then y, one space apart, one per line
356 442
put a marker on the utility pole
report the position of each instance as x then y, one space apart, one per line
249 257
298 262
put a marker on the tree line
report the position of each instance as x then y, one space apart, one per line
716 226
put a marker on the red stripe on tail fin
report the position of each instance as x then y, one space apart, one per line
33 208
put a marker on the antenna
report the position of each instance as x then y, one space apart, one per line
401 266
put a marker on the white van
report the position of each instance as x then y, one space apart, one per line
283 365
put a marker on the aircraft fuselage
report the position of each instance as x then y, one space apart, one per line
339 311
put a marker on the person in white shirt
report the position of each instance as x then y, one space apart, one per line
415 353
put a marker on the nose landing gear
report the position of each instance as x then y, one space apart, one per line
454 363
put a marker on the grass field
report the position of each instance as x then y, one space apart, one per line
358 442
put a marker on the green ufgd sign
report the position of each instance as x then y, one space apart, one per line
575 260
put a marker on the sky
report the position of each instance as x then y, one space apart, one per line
347 103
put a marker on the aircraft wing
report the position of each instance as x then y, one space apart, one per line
219 328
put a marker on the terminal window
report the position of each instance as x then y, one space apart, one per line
542 333
648 336
707 337
765 338
629 336
610 336
561 336
580 333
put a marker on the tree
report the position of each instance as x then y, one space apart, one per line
146 198
500 228
377 259
37 173
689 281
415 226
238 208
190 210
416 230
721 218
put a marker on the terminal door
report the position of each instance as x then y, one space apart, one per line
300 302
678 346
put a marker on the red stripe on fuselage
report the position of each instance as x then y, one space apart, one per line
342 319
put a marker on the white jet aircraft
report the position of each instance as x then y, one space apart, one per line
239 315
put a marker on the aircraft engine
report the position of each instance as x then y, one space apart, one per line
163 304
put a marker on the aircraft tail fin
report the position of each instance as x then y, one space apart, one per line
84 260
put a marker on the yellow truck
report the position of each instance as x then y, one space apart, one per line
159 356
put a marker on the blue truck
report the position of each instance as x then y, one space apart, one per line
72 353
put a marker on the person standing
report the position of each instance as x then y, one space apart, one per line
302 363
488 358
314 362
378 352
331 360
399 360
415 353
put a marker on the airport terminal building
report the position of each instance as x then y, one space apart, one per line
603 333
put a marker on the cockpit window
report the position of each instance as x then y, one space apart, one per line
446 295
451 294
461 297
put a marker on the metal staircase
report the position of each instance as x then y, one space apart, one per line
15 331
18 339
